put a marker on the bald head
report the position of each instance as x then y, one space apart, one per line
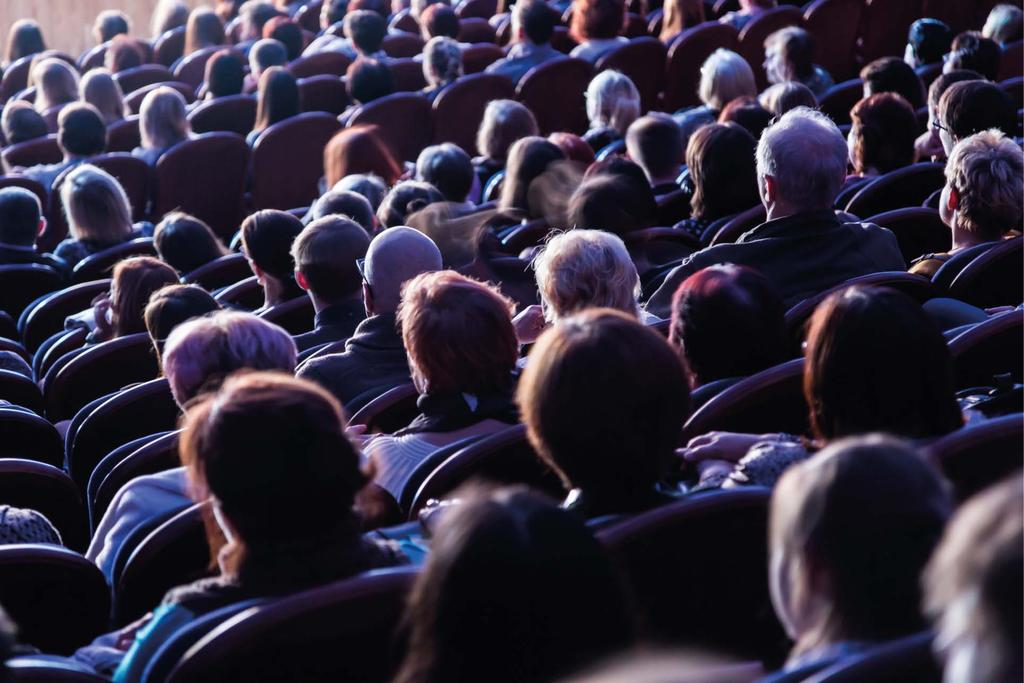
396 256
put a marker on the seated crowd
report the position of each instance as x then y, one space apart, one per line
498 368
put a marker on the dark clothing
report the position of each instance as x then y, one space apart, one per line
13 255
803 255
448 412
665 188
521 58
334 323
374 358
599 138
71 251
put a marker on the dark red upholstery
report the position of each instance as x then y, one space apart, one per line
994 278
50 117
46 489
991 348
134 99
227 270
404 21
15 77
643 60
885 26
169 47
308 16
29 437
476 30
295 316
124 135
554 91
977 456
907 659
98 265
407 75
20 285
135 176
298 145
389 412
205 176
657 246
753 35
148 455
907 186
561 40
403 45
192 68
731 230
918 230
131 80
835 25
476 58
837 102
247 294
230 114
673 207
320 64
686 54
1011 64
525 235
47 316
392 115
484 9
32 152
459 108
323 93
20 390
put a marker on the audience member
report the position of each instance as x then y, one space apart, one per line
789 56
204 30
359 150
368 185
448 168
253 15
267 238
120 312
533 24
278 100
889 74
575 148
81 134
781 97
596 26
171 306
929 144
613 202
749 10
442 65
56 84
724 76
970 107
263 55
972 51
927 42
368 80
21 123
528 159
123 54
437 20
21 221
504 122
613 104
225 75
655 143
365 30
98 213
22 525
679 15
332 13
168 15
1004 25
286 32
348 204
882 136
374 357
99 89
162 123
747 113
185 242
24 39
405 199
110 23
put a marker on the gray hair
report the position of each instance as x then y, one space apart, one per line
724 76
806 155
442 61
612 100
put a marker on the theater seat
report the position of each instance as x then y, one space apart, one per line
918 231
835 25
838 100
732 228
124 135
49 669
131 80
295 316
98 266
407 75
475 30
320 64
907 659
994 347
46 489
146 455
643 60
977 456
476 58
231 114
403 45
392 115
246 294
904 187
221 272
28 436
885 27
20 285
459 108
45 316
483 9
554 92
993 278
389 412
296 144
751 39
169 47
134 99
191 69
323 93
44 150
20 391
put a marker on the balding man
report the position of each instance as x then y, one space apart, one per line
803 248
374 358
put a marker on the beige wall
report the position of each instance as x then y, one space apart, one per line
67 24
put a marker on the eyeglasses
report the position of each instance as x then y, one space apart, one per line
361 267
938 126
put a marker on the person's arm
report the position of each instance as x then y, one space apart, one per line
660 303
165 622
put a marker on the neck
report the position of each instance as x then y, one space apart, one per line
273 291
320 304
662 180
962 239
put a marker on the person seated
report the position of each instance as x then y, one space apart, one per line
325 255
267 437
348 204
224 76
613 104
927 41
21 123
803 248
359 150
929 144
288 33
267 238
615 465
679 15
162 123
533 24
98 213
882 135
366 185
575 148
374 359
781 97
596 26
728 321
263 55
171 306
442 65
253 16
198 356
789 56
1004 24
56 83
167 16
970 107
448 168
655 143
99 89
560 606
439 19
972 51
365 30
81 134
504 122
891 74
972 585
405 199
123 54
23 525
21 221
185 242
850 532
120 312
462 352
747 113
204 29
24 39
367 80
612 201
724 76
749 10
278 100
981 201
332 13
529 159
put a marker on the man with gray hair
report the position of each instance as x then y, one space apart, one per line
373 359
803 248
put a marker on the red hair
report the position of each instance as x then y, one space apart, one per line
596 19
359 150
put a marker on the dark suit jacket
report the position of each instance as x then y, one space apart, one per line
12 256
332 324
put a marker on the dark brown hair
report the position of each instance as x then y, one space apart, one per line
596 19
325 253
277 98
359 150
134 281
185 242
723 170
204 29
884 130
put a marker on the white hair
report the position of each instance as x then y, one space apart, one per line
612 100
806 155
724 76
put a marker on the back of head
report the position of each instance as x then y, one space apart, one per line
892 74
790 55
348 204
973 587
134 281
168 15
610 433
969 107
448 168
332 12
575 148
381 7
255 14
368 79
781 97
20 213
439 20
596 19
928 40
613 101
971 50
359 150
884 130
81 131
266 53
405 199
185 242
21 123
986 170
1005 24
99 89
110 23
851 530
122 54
96 206
656 143
723 170
748 113
286 32
728 321
25 38
225 74
458 334
173 305
278 98
162 120
56 83
202 352
204 29
366 30
613 202
680 15
394 257
325 255
725 76
515 589
528 159
367 185
806 155
504 122
537 20
442 61
267 238
877 362
941 84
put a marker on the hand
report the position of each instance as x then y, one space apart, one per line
727 446
357 434
529 324
101 316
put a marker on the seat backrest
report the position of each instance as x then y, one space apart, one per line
1010 62
907 659
403 45
643 60
15 77
124 135
147 455
977 456
134 99
205 176
475 30
134 175
45 317
295 316
131 80
838 100
770 401
392 114
45 489
904 187
990 348
22 284
27 183
308 16
297 144
686 54
341 631
835 25
459 108
732 229
247 294
885 26
993 278
554 92
98 266
230 114
30 437
407 75
483 9
44 150
389 412
51 351
220 272
658 246
918 230
686 593
478 57
20 391
191 68
319 64
948 271
46 669
58 599
323 93
403 21
169 47
753 35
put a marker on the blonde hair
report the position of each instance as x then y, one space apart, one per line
96 206
56 83
612 100
162 119
505 122
987 172
582 269
724 76
99 89
442 61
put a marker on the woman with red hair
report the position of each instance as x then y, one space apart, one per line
596 25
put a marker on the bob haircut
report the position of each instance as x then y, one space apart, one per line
359 150
204 29
162 119
25 38
504 122
613 101
99 89
723 170
56 83
596 19
724 76
884 130
96 206
185 242
135 280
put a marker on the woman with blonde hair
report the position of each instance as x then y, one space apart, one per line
204 29
99 89
613 103
678 16
162 124
99 215
56 83
168 15
505 122
724 76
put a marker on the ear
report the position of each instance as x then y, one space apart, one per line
302 281
42 226
769 191
368 300
953 203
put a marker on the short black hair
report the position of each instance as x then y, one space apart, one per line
81 131
368 79
969 107
892 74
973 51
930 39
538 20
448 168
366 30
225 74
20 212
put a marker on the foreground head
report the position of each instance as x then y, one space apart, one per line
394 257
984 176
172 305
325 255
